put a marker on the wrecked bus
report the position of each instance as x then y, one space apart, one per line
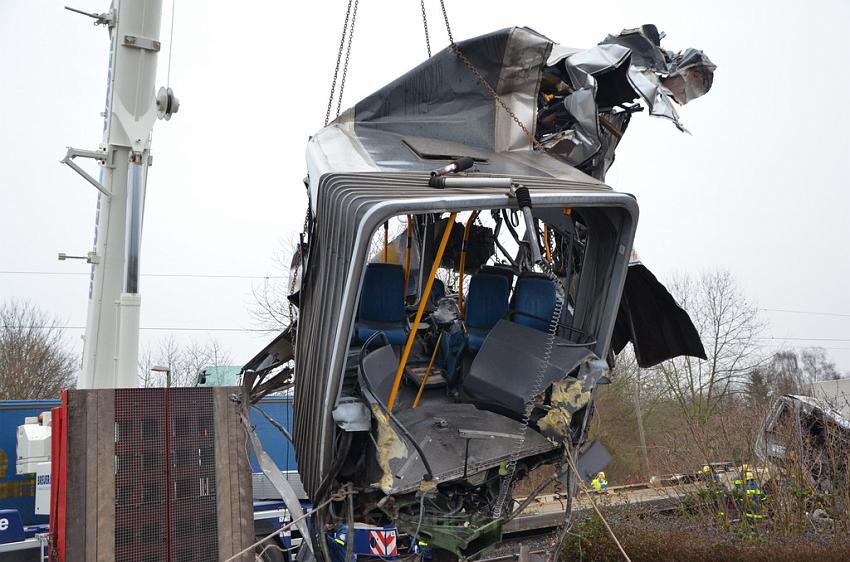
464 278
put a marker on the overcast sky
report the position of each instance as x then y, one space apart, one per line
758 189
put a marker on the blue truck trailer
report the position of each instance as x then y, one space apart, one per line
17 492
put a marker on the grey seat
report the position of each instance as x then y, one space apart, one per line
504 372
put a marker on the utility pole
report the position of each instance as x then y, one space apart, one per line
111 348
166 370
639 415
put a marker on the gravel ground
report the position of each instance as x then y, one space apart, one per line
533 542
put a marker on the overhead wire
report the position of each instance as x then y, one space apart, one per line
773 338
806 312
188 275
152 328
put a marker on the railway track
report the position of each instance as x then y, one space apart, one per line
547 511
535 526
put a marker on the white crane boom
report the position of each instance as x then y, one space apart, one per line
111 349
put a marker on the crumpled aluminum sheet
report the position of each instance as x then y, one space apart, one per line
582 104
657 77
578 122
691 76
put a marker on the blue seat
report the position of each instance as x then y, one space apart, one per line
498 269
452 346
438 291
381 306
533 303
486 303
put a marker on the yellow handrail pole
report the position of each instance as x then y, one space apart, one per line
471 219
386 241
428 370
546 244
407 254
423 299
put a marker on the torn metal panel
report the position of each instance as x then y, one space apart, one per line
686 75
598 84
648 85
441 100
519 81
278 352
277 479
645 43
691 76
429 100
442 429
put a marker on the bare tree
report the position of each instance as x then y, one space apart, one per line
273 309
816 366
785 374
35 361
789 372
183 361
729 326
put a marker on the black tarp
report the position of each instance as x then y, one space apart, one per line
653 321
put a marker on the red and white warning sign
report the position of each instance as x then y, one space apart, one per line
383 543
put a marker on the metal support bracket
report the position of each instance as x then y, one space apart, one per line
99 155
106 18
141 43
90 257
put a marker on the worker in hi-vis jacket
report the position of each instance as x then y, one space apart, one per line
599 484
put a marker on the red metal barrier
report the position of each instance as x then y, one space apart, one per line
58 474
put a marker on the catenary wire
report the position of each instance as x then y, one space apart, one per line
152 328
189 275
806 312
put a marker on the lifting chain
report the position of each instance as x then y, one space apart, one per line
425 25
338 61
347 54
459 54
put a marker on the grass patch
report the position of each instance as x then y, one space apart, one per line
681 539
